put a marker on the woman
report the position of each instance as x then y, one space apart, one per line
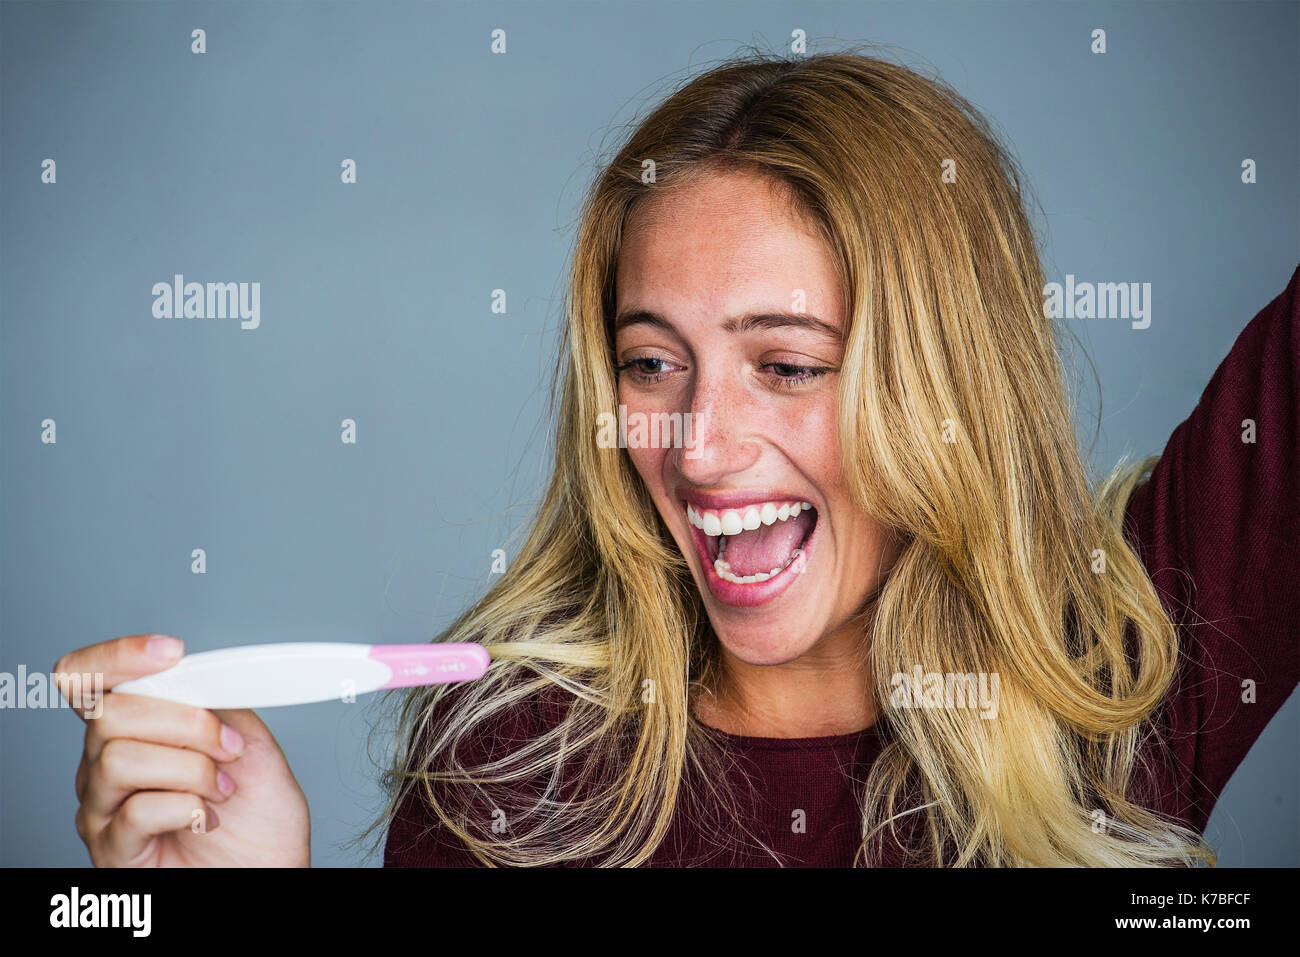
865 608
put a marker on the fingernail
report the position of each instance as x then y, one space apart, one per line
210 820
225 783
232 740
164 647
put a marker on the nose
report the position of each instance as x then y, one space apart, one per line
722 440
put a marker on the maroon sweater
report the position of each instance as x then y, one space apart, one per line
1217 526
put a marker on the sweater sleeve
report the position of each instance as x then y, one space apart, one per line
1217 526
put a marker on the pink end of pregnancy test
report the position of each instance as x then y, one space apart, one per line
266 676
414 665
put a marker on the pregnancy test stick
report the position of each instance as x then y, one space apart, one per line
300 672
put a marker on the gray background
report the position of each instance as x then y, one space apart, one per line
177 434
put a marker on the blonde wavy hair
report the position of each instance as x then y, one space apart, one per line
1000 528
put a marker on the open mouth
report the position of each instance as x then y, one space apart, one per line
755 543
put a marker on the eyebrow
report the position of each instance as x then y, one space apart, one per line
743 324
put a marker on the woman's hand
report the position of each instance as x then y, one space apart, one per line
170 785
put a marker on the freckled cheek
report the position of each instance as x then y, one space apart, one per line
815 449
649 464
810 437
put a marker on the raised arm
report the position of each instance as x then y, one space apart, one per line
1218 528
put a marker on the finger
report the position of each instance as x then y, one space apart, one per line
129 835
83 773
162 722
247 723
126 766
119 659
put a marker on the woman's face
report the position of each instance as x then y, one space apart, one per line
729 308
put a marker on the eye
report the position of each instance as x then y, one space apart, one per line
790 376
785 375
644 368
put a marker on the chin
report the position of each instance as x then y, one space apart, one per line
763 643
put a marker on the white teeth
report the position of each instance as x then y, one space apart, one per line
733 521
724 570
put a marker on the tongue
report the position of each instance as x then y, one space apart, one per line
767 546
